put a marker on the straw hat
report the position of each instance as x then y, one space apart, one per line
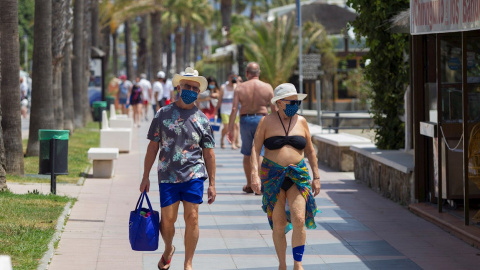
286 90
191 75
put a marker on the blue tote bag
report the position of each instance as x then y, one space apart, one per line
144 226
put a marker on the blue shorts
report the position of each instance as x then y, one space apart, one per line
122 101
191 191
248 126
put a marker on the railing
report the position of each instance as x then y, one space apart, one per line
336 118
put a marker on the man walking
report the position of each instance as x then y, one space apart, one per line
254 97
183 135
146 93
124 89
167 90
157 92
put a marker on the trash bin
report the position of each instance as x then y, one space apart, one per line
98 107
46 137
110 100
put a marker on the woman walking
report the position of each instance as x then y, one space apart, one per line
136 101
208 100
225 101
288 196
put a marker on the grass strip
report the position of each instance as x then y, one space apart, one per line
27 224
78 144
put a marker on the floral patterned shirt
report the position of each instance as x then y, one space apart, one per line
182 134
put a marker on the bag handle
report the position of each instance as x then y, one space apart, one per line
140 202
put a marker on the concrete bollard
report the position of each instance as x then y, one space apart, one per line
5 262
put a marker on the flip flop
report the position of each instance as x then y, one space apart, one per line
247 189
164 262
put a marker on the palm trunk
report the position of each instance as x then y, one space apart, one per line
128 51
59 9
188 45
179 64
67 92
105 46
114 54
3 162
156 45
42 113
196 46
87 42
226 11
168 45
77 63
142 45
95 30
11 121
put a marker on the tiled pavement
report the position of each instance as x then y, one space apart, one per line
357 229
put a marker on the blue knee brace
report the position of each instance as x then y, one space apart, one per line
298 253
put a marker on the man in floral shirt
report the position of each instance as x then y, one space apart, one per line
183 135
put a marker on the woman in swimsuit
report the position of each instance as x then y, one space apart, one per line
288 193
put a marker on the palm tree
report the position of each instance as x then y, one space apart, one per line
77 62
226 11
156 46
274 46
11 122
42 113
67 91
3 173
128 50
87 26
59 10
142 52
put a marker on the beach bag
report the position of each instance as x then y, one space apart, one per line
215 123
144 226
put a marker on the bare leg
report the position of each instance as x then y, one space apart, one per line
248 169
191 232
167 229
279 218
297 214
237 134
224 131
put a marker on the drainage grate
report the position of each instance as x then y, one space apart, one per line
86 220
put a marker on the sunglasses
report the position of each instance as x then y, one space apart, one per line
292 102
190 87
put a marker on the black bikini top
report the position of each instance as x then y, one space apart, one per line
277 142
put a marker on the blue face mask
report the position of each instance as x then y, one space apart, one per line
291 110
188 96
211 86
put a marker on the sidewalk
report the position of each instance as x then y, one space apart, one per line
357 229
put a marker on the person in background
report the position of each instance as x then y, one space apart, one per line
146 93
253 96
123 93
136 101
226 100
288 197
157 92
23 98
167 85
182 134
208 100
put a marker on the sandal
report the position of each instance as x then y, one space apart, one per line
165 262
247 189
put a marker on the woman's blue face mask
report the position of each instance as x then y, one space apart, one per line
291 109
211 86
188 96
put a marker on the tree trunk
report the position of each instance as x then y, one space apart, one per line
179 64
105 46
10 101
114 54
59 13
226 10
142 52
196 46
95 30
156 45
168 45
67 92
42 112
128 52
77 62
3 173
188 45
87 42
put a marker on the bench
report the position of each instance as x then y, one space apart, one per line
103 161
334 149
388 172
119 121
120 138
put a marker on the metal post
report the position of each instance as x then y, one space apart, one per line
318 88
337 121
53 178
300 56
